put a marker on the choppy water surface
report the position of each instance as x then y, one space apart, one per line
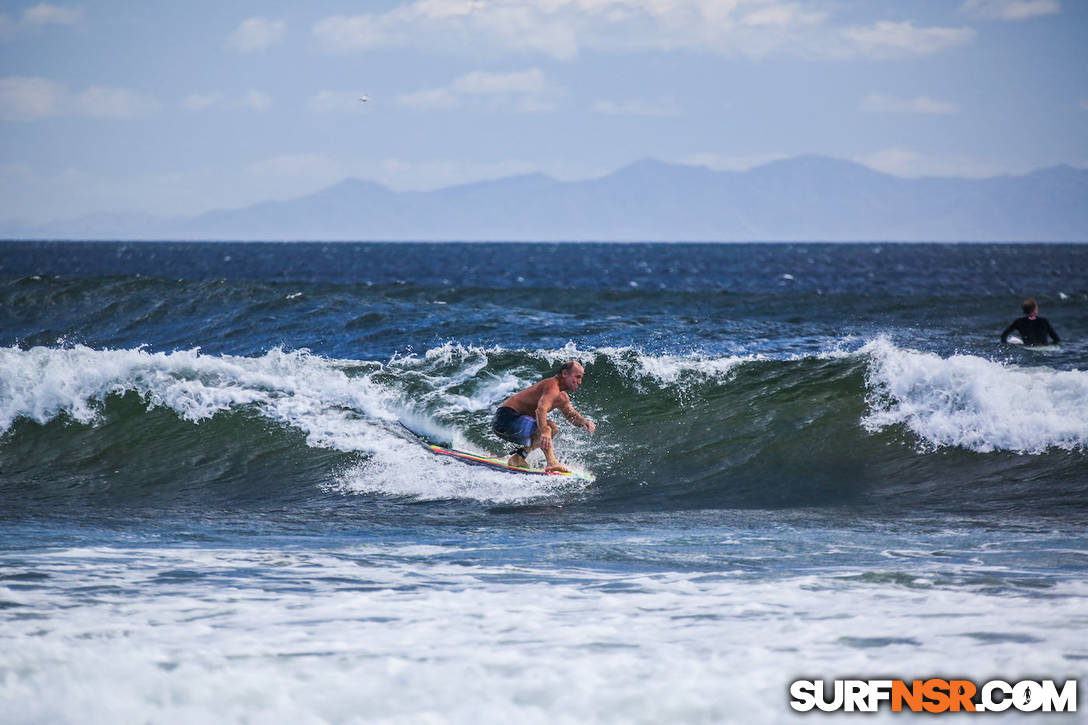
811 461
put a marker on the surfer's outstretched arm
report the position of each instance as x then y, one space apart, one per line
575 417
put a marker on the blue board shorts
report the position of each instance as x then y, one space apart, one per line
512 426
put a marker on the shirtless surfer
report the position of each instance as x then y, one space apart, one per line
523 417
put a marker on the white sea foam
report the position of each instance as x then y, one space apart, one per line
661 369
296 389
381 633
421 475
973 403
666 370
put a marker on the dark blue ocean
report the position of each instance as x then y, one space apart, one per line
811 461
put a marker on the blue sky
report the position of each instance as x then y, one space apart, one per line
178 108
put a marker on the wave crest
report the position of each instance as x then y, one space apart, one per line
973 403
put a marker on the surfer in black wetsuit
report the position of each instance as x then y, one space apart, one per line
1034 330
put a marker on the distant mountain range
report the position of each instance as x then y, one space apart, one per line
809 198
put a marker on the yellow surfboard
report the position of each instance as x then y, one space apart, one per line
477 460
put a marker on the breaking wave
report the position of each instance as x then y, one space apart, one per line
674 430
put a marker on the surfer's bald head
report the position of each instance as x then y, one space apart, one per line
567 367
570 376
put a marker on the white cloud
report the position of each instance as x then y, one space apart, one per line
28 99
45 14
1010 9
117 103
543 26
896 161
38 16
31 99
255 100
724 162
637 108
890 104
256 34
201 101
911 164
563 28
783 15
526 91
889 39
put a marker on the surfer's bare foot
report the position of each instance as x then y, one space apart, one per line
517 461
557 468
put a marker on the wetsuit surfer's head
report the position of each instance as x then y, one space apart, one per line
1030 307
